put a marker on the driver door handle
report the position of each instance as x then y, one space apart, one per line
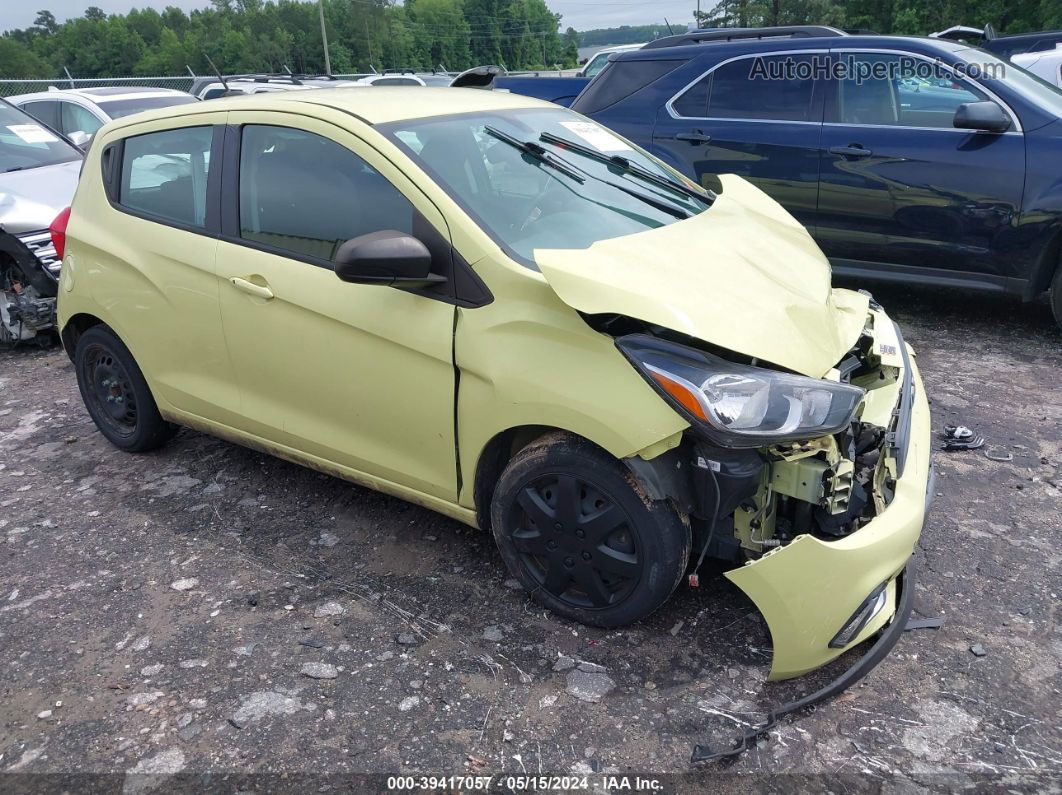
696 137
851 151
251 288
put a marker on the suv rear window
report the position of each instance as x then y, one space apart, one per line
619 80
164 175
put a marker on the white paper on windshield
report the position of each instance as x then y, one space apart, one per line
597 136
32 133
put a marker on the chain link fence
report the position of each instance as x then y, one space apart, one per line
11 87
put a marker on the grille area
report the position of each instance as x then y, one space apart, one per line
40 243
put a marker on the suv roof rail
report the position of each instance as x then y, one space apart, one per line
709 35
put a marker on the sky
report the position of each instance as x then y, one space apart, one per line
579 14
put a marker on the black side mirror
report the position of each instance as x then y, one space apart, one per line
386 257
986 115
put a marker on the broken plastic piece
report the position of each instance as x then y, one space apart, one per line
924 623
993 454
959 437
695 581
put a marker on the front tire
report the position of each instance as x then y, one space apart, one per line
579 532
116 394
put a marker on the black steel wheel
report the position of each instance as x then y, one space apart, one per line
116 394
580 534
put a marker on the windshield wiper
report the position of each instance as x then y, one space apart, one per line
542 155
631 168
538 152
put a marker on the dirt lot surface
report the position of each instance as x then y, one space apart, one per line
207 608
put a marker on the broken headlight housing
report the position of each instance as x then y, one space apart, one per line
737 405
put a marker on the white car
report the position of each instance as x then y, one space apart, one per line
600 58
1046 65
78 112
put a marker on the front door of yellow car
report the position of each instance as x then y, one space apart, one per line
356 375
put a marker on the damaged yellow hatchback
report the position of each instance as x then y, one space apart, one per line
495 308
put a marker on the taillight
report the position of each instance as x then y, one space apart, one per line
58 230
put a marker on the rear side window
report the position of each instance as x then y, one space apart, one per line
164 175
307 195
619 80
47 112
767 88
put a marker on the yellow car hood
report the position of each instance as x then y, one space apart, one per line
743 275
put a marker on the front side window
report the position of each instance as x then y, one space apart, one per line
164 174
887 89
78 119
307 195
559 198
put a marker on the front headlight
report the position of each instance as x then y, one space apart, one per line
736 405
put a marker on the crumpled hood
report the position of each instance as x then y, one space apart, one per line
30 199
743 275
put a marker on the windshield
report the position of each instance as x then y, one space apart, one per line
26 144
529 192
118 108
1031 87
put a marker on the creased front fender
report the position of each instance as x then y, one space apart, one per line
807 590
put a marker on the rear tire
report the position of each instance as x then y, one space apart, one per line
579 532
116 394
1056 296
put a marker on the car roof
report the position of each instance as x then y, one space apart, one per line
726 49
379 106
102 94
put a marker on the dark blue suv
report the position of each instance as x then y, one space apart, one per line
908 159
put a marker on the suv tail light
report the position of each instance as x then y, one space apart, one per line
58 231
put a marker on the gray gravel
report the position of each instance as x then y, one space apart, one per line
119 572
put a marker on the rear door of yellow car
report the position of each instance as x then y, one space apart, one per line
356 375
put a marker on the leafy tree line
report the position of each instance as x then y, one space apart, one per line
626 34
267 35
907 17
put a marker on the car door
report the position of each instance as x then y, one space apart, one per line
902 190
757 116
359 376
158 247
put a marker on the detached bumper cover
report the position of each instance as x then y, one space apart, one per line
876 653
809 589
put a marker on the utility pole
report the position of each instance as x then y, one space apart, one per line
697 19
324 37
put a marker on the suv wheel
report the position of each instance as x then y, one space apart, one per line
1056 296
116 395
579 533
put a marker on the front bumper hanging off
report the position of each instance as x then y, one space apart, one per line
811 590
887 639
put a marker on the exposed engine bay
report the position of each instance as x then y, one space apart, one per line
743 503
29 273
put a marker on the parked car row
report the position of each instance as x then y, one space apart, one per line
949 181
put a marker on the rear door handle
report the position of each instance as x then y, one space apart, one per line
851 151
694 137
251 288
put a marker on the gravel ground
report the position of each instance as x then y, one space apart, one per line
208 608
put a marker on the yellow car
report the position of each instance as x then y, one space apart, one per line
495 308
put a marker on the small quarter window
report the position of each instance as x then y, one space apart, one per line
306 194
164 174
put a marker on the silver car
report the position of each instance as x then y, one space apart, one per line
38 175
